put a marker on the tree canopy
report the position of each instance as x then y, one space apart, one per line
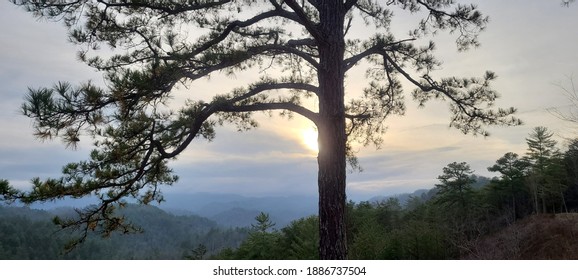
513 171
301 49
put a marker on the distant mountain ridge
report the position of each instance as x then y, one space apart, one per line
228 210
427 193
403 197
233 210
240 211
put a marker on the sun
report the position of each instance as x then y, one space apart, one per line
310 139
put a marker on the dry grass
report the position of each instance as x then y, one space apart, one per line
538 237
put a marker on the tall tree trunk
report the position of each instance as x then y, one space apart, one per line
332 137
513 190
543 198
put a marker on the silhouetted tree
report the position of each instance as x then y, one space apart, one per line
301 49
541 151
571 163
459 202
513 170
455 188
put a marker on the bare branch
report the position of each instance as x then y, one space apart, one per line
571 94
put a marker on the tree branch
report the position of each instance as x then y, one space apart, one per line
228 105
259 107
377 48
274 86
178 7
310 26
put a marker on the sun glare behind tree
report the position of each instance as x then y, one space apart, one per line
309 138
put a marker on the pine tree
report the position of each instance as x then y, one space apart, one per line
513 170
302 50
571 164
455 188
546 167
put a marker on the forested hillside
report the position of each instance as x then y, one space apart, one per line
420 230
520 214
239 211
30 234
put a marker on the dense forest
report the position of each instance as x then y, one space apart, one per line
464 216
30 234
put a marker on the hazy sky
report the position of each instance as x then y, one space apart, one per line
530 44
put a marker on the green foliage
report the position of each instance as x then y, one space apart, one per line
367 236
301 239
416 240
511 167
511 185
386 230
264 224
541 147
297 241
198 253
455 189
262 241
548 174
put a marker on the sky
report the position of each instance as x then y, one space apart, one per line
530 45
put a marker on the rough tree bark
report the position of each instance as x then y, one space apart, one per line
332 136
